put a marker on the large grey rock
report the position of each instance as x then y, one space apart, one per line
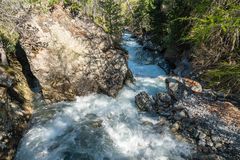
71 57
144 102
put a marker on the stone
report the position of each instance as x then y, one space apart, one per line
181 87
164 97
176 89
179 137
144 102
175 127
72 57
162 100
195 86
180 115
162 121
147 123
97 123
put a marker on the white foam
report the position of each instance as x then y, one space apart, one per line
68 130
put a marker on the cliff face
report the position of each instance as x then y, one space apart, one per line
71 56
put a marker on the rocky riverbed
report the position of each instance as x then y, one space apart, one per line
195 115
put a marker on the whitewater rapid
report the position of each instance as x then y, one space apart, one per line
98 127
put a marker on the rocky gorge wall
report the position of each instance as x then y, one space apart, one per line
56 58
15 105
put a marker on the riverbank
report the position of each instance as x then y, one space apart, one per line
197 117
180 65
202 117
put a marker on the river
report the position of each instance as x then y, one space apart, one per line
98 127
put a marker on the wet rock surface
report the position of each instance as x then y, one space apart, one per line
144 102
210 125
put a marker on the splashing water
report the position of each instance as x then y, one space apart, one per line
98 127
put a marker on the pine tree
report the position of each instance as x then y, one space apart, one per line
141 17
113 21
158 20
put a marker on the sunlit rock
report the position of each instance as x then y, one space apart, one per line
70 56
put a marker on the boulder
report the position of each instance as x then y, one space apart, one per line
144 102
180 87
176 89
71 56
195 86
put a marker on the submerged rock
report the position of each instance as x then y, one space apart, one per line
165 66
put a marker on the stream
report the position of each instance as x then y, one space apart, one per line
98 127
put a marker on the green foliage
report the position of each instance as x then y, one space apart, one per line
210 30
8 38
34 1
112 18
141 18
225 78
75 7
53 2
222 19
158 22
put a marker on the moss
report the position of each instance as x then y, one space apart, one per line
9 38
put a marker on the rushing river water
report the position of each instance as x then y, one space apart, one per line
98 127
